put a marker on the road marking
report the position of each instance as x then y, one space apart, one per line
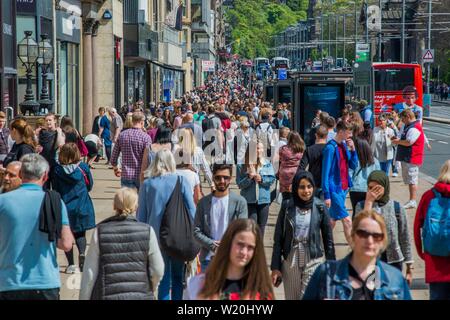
437 134
429 139
443 142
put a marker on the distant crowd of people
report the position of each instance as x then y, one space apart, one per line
169 238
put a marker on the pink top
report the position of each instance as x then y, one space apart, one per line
289 162
152 133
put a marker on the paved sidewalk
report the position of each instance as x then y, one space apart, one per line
436 114
105 185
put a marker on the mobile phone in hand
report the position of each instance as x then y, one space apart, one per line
278 282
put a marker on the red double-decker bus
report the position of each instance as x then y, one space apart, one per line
390 80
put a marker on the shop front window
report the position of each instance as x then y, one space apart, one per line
67 79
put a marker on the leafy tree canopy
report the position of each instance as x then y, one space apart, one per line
254 22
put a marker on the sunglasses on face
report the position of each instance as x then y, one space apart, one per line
365 235
309 186
219 178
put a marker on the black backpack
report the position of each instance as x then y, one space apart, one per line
208 124
176 233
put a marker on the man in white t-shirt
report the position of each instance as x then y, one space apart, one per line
215 211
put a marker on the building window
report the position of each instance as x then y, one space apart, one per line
67 56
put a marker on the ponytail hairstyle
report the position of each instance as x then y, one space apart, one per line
125 202
25 131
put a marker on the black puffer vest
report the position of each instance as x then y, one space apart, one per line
123 263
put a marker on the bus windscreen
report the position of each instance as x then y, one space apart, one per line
395 79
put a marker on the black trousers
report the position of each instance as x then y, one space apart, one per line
108 150
45 294
259 213
356 197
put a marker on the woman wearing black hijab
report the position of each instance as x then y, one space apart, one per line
302 233
399 249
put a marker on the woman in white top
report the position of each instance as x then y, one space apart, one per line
382 145
187 151
241 140
186 170
93 144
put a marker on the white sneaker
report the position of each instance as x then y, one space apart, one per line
71 269
411 204
395 174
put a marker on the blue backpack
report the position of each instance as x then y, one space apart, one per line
436 229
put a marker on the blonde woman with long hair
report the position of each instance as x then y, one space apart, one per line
186 151
361 275
254 178
154 195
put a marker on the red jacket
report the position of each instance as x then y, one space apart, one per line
437 269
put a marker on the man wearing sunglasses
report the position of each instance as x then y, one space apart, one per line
216 211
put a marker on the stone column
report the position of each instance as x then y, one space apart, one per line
87 75
95 83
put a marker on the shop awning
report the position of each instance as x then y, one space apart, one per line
167 66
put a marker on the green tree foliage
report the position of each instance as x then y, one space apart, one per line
255 22
297 5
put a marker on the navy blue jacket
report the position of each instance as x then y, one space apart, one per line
75 194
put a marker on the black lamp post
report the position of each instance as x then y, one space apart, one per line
45 60
28 54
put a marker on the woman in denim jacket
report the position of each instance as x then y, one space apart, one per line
254 179
361 275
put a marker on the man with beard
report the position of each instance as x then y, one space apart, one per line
11 179
216 211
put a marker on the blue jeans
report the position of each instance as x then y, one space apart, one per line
440 291
386 166
133 184
172 279
204 265
259 213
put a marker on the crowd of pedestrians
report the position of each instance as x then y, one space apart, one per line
169 238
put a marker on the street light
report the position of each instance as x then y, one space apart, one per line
45 60
28 54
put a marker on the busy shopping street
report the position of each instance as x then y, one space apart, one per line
170 150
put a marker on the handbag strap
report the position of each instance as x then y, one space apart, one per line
86 179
